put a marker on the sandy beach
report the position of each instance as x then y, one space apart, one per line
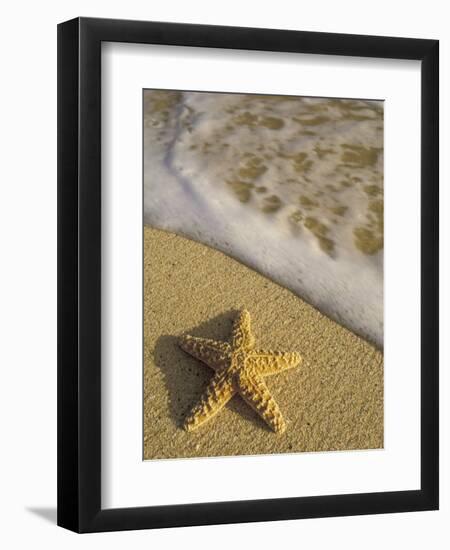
333 401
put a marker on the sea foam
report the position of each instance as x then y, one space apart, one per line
292 187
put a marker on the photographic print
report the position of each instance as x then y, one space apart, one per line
222 300
263 274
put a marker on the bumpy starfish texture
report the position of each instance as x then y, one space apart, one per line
239 368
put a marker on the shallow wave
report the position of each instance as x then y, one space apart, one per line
292 187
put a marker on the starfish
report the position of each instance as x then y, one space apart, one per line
239 368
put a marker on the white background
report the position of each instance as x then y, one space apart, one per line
28 285
129 481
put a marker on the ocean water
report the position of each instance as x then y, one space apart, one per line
290 186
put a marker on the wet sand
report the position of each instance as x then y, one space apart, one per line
333 401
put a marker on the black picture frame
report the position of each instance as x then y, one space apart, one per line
79 274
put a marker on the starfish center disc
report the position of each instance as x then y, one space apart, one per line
239 358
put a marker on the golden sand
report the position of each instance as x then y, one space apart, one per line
332 401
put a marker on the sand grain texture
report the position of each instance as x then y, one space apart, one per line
333 401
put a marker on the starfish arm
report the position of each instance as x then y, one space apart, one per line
242 336
272 362
256 394
219 391
215 354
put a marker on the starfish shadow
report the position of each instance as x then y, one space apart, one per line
186 377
